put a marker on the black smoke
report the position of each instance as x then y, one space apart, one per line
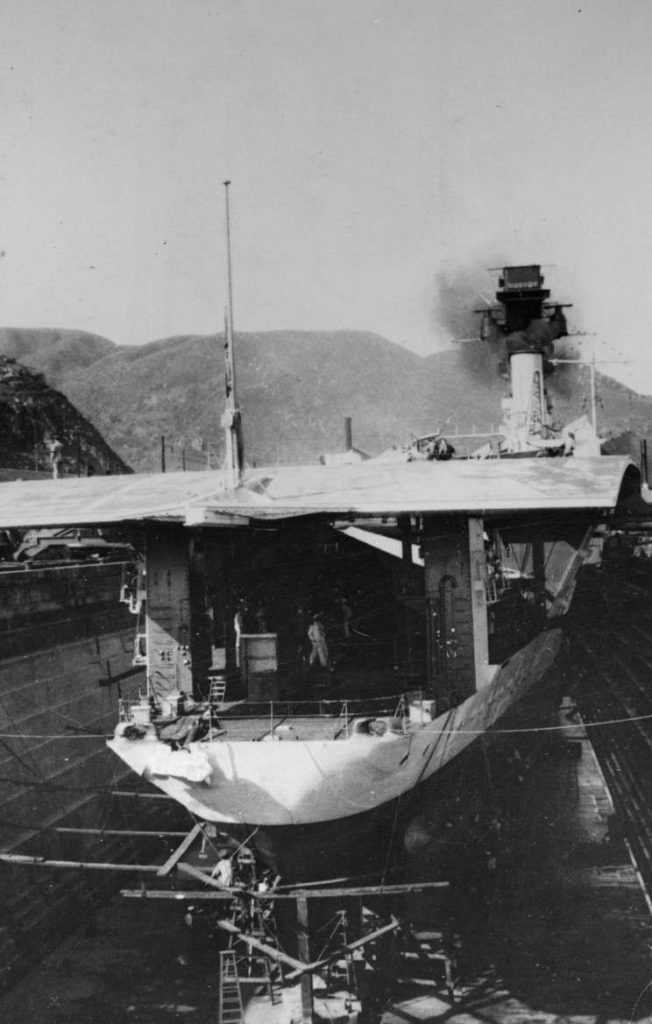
461 290
464 295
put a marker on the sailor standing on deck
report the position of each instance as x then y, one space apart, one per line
56 456
317 638
347 615
239 628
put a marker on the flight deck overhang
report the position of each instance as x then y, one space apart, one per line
201 499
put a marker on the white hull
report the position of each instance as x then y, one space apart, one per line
297 782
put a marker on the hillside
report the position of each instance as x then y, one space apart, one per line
54 353
295 389
32 413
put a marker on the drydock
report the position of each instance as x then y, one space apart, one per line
67 650
440 813
545 915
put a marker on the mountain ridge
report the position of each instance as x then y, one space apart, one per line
295 389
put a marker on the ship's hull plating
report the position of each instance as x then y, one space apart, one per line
299 784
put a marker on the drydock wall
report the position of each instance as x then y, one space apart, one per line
46 607
64 636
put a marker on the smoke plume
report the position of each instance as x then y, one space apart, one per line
460 290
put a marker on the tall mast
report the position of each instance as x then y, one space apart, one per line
231 420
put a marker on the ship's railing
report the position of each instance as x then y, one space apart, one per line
336 708
502 583
497 587
404 708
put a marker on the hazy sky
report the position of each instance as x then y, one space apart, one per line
372 145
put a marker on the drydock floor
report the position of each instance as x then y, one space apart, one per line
562 934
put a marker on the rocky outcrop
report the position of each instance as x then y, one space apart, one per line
32 414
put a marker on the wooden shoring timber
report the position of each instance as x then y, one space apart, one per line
176 855
322 893
360 890
299 967
79 865
120 793
349 947
270 951
217 892
202 876
193 895
134 832
342 880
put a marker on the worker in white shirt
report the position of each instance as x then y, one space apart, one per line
317 637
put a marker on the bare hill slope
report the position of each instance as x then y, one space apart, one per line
295 388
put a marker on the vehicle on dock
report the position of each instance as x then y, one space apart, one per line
44 547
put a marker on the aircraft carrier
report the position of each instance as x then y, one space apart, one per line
548 914
532 824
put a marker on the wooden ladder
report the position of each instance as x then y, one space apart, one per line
216 695
231 1010
217 691
256 967
273 982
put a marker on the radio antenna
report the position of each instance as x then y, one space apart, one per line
231 419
